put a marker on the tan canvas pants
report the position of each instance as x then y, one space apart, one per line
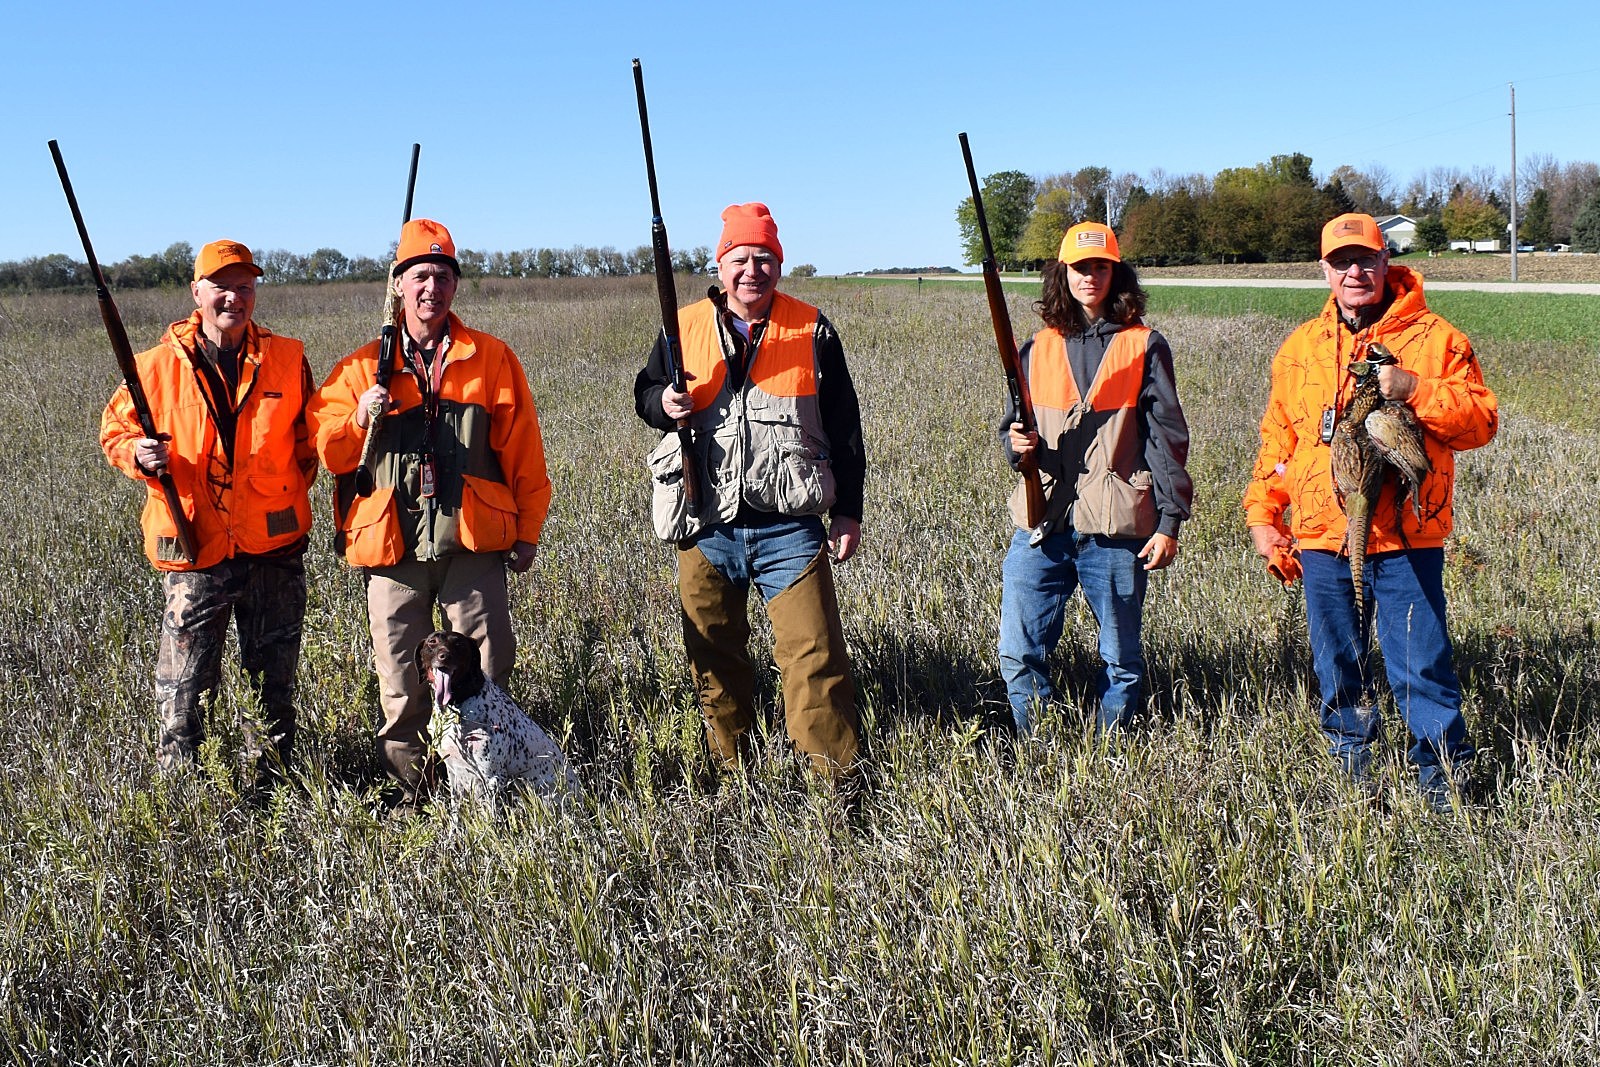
470 589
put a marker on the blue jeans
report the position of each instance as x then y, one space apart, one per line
771 554
1408 587
1037 584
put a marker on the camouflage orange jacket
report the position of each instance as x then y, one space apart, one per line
1309 377
258 504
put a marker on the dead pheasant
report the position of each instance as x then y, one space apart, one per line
1371 438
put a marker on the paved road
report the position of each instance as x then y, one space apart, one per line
1581 288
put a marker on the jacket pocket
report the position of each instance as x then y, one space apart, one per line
1116 507
372 531
488 515
280 511
669 506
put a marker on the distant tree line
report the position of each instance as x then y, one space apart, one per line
1274 211
175 266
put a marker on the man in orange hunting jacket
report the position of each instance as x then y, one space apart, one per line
1437 375
460 491
228 399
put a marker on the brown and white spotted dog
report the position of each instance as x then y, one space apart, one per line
489 745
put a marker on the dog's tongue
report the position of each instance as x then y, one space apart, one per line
441 687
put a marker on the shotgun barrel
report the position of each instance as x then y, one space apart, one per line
666 290
1006 341
118 335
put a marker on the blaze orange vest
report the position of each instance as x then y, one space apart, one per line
1091 451
783 365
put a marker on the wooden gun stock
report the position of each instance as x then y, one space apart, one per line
1006 341
667 291
118 336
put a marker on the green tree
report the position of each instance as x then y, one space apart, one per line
1008 197
1431 234
1231 227
1469 217
1162 230
1297 211
1292 169
1052 217
326 265
1586 227
1338 200
177 264
1537 227
804 270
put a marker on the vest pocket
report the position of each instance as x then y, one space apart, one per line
787 468
669 509
805 481
372 531
1116 507
488 515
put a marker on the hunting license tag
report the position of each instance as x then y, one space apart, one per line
427 478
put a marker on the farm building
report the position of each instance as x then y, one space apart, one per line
1399 230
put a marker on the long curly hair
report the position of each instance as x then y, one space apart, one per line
1060 309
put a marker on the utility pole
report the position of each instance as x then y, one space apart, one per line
1513 180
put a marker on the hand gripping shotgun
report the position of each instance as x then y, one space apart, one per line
118 335
668 293
1021 402
364 480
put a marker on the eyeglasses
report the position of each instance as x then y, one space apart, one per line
1367 263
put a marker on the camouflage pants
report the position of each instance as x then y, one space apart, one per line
266 597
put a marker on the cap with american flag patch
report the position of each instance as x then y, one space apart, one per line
1090 240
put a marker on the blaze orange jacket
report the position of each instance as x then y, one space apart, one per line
260 505
491 485
1293 471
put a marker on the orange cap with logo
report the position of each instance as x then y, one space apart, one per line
1352 229
423 240
748 224
1089 240
218 254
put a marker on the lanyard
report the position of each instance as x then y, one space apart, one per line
429 374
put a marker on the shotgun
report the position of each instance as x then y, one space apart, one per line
364 481
667 290
1021 402
118 334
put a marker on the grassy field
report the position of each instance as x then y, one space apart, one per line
1208 893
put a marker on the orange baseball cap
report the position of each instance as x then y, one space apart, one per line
1350 229
1090 240
218 254
424 241
748 224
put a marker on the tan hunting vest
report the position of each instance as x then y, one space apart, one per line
763 443
1091 451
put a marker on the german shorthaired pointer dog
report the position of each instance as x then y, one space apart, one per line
489 745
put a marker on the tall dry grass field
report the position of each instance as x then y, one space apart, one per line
1208 893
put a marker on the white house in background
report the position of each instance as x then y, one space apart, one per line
1399 230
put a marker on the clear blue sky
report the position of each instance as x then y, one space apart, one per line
288 125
